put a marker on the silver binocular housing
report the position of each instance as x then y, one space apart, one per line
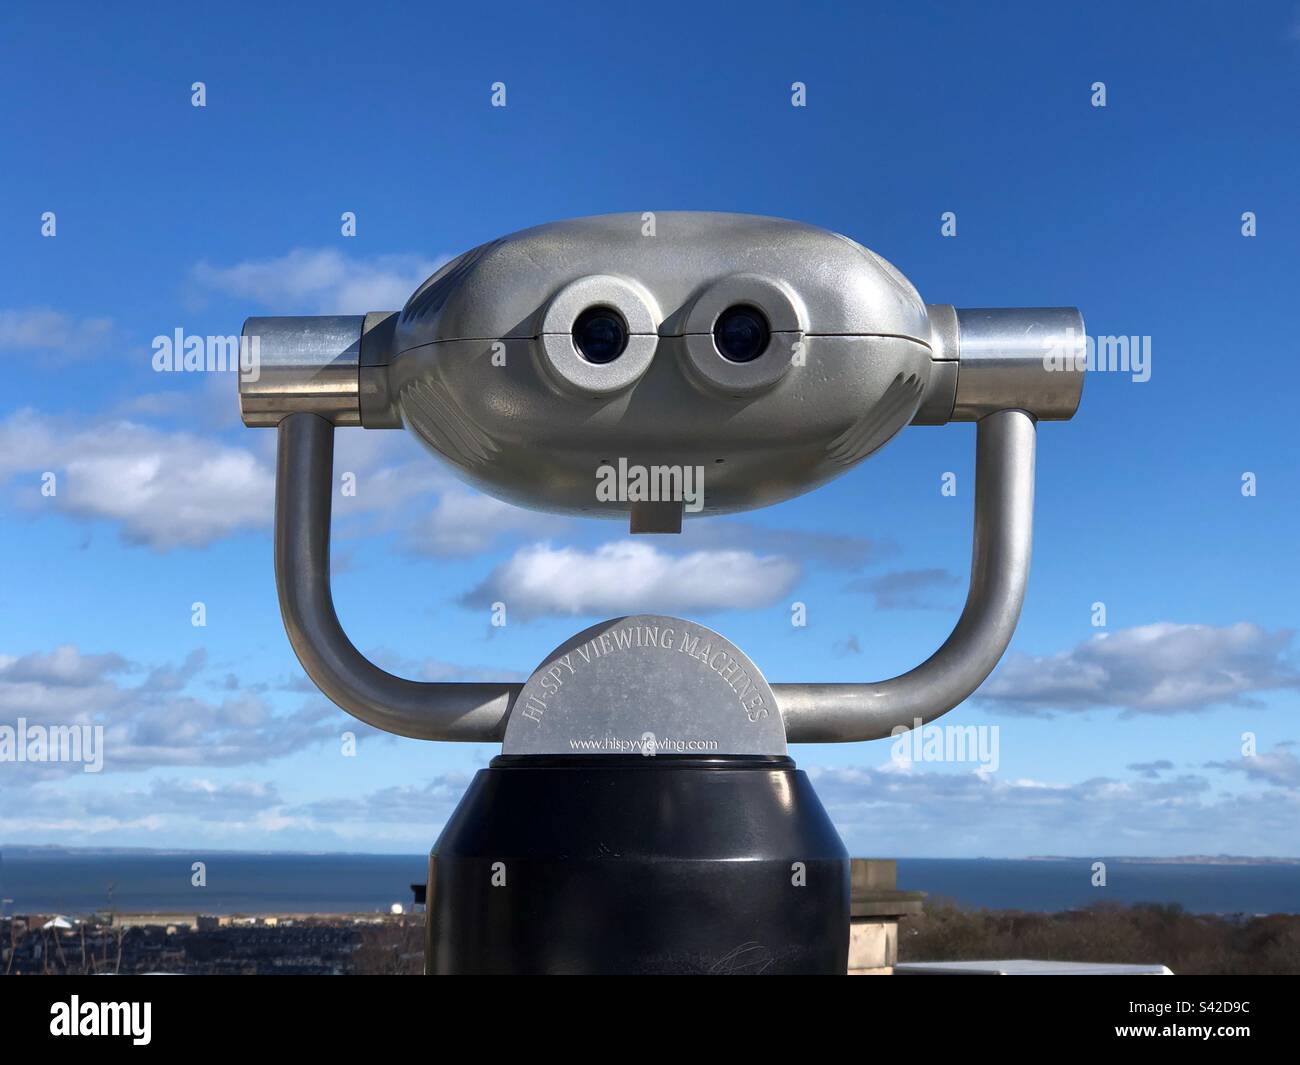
772 354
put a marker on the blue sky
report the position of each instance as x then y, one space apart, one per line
1122 739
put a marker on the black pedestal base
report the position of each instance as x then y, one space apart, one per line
606 864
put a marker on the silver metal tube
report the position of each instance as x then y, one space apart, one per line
302 364
1004 521
1028 358
304 477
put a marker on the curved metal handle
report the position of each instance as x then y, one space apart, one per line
303 482
1004 525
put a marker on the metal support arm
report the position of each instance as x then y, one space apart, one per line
448 711
813 713
1004 520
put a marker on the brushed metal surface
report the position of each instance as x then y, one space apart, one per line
303 364
650 685
506 431
428 711
1030 358
1004 524
487 340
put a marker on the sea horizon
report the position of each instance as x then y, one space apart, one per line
1191 859
74 881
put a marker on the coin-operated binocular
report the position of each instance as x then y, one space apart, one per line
644 815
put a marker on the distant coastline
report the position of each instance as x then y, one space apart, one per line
59 848
72 881
36 849
1183 859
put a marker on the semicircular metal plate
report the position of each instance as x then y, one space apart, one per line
646 684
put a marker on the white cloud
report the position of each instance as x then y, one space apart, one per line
1156 669
45 329
154 722
832 550
465 522
917 812
78 816
1152 770
206 812
621 577
411 804
908 589
176 489
437 669
65 666
166 490
393 470
939 812
321 281
1279 766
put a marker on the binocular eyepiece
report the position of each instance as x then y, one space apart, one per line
740 334
600 335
